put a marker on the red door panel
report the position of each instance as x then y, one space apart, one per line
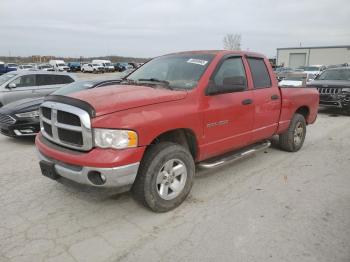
227 122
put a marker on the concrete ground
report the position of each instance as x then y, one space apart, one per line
273 206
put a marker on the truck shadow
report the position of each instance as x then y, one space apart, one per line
92 193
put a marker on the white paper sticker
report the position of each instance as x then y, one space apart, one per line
197 61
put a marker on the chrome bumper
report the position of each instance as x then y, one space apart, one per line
115 177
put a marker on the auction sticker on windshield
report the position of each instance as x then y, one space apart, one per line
197 61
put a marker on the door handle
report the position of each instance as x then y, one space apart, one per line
247 102
274 97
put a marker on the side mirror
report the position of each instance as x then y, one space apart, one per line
12 85
230 85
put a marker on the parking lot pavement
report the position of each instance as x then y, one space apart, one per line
273 206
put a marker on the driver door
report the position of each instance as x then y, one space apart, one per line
228 117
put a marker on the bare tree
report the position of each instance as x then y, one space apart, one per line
232 42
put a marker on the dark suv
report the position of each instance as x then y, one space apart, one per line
74 66
334 88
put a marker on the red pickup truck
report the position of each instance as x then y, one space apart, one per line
149 132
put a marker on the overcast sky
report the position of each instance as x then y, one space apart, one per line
146 28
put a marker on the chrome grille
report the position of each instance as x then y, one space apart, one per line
66 125
9 120
328 91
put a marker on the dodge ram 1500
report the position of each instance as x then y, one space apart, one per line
176 112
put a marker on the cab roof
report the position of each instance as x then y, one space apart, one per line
218 52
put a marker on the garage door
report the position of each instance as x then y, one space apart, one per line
297 59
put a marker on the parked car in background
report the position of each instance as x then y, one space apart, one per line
133 65
314 69
117 67
120 67
281 72
59 65
18 85
74 66
108 67
4 68
337 66
25 67
12 66
92 68
175 111
296 79
45 67
21 118
334 88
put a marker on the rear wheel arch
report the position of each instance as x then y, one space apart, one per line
304 111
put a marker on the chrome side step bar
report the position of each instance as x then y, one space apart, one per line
234 156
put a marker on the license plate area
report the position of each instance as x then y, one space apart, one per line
48 169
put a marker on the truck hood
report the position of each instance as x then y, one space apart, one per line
109 99
330 83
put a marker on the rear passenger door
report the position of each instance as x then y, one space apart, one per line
48 83
267 100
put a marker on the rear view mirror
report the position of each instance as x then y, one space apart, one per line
230 85
12 85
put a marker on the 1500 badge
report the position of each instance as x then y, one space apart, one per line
219 123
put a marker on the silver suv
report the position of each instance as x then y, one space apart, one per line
18 85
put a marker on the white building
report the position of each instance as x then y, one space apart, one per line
317 55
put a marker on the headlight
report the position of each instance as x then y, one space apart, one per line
31 114
118 139
347 89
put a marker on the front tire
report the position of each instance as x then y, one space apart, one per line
165 177
293 139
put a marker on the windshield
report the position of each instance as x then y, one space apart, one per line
12 65
335 74
180 71
61 64
311 68
27 66
74 87
107 64
96 65
4 78
45 66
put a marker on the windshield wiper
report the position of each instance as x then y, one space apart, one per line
127 81
155 80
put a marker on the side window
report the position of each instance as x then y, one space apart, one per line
44 80
62 79
231 68
24 81
261 77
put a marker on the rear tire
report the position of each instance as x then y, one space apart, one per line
165 177
293 139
